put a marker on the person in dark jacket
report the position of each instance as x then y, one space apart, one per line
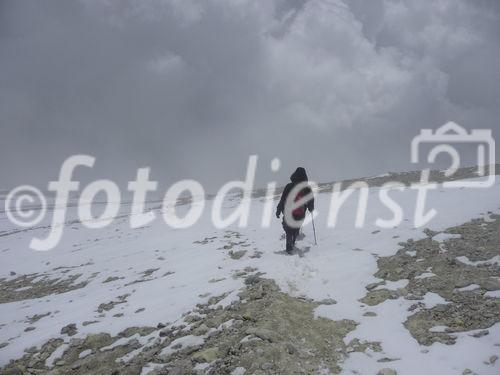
299 213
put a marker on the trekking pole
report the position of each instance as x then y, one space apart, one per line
314 229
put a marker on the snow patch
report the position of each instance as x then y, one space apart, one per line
468 288
493 294
441 237
182 343
495 261
84 353
393 285
437 329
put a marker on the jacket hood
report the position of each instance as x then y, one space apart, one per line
299 175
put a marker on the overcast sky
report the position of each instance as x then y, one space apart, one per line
192 88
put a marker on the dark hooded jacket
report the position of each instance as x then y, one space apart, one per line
297 177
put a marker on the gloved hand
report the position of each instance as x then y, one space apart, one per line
278 214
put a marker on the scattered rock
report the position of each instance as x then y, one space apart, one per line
252 279
206 355
387 371
69 330
88 322
35 318
201 330
25 287
111 279
374 285
266 366
291 348
481 333
237 254
14 371
256 254
110 305
262 333
386 359
216 280
328 301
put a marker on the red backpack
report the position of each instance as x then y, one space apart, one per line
299 211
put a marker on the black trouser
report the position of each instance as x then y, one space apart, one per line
291 234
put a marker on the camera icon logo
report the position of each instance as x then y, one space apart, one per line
452 133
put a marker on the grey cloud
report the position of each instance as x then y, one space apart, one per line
192 88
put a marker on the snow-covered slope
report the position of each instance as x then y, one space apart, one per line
110 279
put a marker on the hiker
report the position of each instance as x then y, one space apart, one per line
299 213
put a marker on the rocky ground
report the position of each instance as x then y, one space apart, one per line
270 332
266 332
464 270
406 178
